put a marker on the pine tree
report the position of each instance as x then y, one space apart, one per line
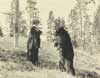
14 15
23 25
50 23
97 26
73 26
80 22
12 19
33 12
1 32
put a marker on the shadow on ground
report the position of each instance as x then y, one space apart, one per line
86 74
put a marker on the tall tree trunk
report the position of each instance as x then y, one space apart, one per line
17 24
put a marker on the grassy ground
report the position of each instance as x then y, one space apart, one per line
13 62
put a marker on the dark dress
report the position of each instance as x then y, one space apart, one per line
33 45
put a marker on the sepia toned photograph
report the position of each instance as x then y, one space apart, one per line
49 38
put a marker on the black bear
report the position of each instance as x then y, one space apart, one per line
64 46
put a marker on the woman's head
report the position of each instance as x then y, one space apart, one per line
33 30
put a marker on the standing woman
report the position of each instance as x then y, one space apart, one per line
33 43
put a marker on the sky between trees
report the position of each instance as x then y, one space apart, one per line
60 7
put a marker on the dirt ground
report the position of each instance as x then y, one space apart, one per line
13 62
